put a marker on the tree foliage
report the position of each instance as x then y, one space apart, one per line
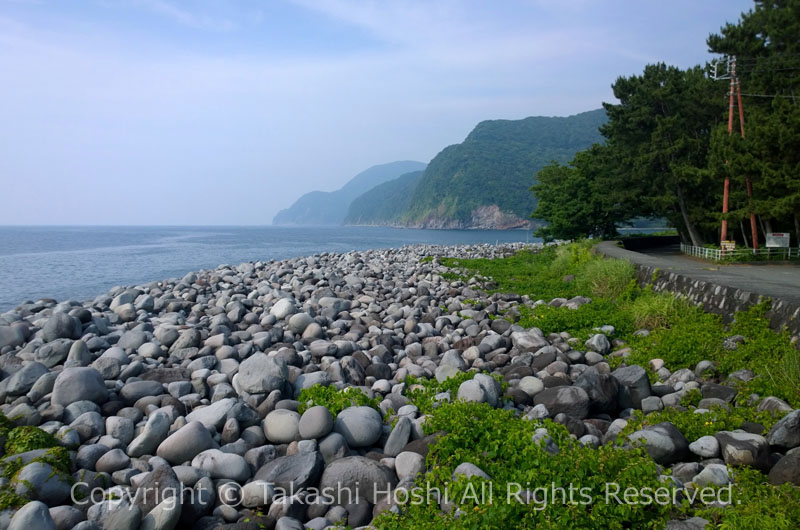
667 149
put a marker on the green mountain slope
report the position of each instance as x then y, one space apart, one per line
330 207
485 180
385 203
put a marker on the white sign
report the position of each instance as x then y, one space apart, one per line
778 239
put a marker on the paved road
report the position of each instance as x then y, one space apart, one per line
773 280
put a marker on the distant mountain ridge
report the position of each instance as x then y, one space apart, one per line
384 204
482 182
330 207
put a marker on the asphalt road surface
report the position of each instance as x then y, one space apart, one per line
768 279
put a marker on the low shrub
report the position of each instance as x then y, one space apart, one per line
579 322
695 425
334 400
501 445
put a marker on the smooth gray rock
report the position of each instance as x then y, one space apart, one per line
357 475
471 391
705 447
214 415
259 374
61 326
185 443
23 379
714 474
11 336
398 438
786 432
744 449
283 308
360 426
78 384
293 472
602 389
635 379
165 516
34 515
222 465
159 485
39 481
599 343
282 426
135 390
663 442
531 385
408 465
571 400
315 422
469 470
154 432
113 460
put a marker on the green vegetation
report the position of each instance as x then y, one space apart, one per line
493 166
501 445
385 203
333 399
758 504
681 334
28 438
422 392
695 425
499 442
667 149
20 440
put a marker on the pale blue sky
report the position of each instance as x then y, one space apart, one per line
225 111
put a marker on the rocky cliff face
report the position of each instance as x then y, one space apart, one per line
489 217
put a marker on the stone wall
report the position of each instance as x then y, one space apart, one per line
724 301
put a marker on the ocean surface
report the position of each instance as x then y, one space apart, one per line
79 263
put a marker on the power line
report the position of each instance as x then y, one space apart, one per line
769 96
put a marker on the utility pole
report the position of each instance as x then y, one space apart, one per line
735 89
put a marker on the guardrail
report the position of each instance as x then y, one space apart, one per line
716 254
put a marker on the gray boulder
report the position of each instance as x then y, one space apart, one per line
664 443
599 343
61 326
571 400
315 422
259 374
185 443
360 426
357 475
34 515
786 432
79 384
634 378
744 449
293 472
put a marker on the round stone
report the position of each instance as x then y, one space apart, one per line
360 426
282 426
315 422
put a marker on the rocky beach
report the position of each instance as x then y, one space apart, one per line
196 402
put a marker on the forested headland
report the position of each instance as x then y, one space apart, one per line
667 149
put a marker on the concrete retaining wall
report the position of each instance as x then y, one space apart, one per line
724 301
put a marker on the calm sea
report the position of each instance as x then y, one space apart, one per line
79 263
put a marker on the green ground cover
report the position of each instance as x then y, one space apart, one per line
499 442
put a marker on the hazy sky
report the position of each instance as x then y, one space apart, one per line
225 111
